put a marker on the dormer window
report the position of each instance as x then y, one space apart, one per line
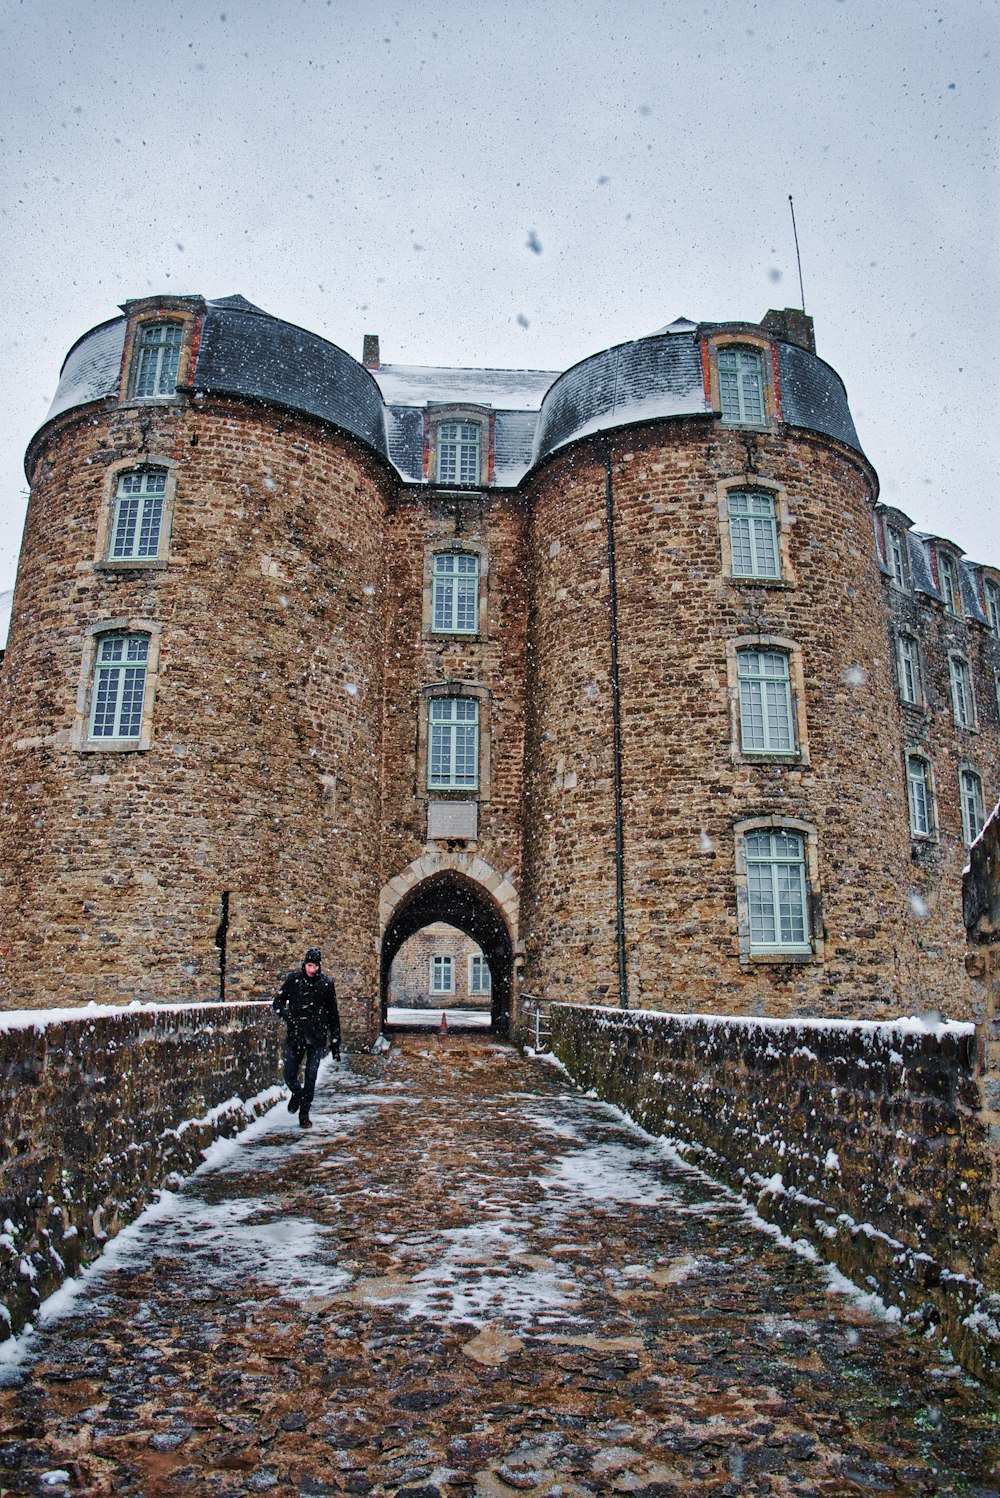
459 452
741 386
948 582
991 597
157 360
895 555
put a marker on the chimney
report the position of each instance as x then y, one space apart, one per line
369 353
791 326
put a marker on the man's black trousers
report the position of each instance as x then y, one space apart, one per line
292 1056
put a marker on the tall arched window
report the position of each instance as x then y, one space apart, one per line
157 359
741 386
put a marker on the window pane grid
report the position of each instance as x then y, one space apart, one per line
972 805
458 452
456 593
442 975
159 359
741 385
776 889
918 790
765 703
119 687
961 694
139 514
479 979
453 744
753 535
894 548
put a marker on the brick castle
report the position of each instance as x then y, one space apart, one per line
622 671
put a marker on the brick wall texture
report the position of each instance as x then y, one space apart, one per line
865 1139
284 786
96 1112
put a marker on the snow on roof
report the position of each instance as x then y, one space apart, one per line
503 389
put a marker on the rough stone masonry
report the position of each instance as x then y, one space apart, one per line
473 1279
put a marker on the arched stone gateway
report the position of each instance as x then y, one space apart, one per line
483 907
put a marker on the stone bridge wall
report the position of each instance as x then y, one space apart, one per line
98 1107
866 1139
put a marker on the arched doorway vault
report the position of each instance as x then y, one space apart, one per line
467 894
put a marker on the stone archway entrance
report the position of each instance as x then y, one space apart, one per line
452 896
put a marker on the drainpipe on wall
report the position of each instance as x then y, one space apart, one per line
616 723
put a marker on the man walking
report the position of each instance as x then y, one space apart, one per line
307 1003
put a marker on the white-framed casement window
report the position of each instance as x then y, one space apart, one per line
442 974
970 790
741 386
963 703
753 535
767 719
895 555
920 796
119 687
949 583
777 892
908 664
479 975
453 744
137 520
459 452
455 593
991 598
156 359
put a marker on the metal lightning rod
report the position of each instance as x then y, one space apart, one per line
798 257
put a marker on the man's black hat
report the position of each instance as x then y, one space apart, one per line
313 955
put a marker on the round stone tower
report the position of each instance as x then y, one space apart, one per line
712 767
192 689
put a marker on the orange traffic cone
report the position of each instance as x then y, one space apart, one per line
444 1024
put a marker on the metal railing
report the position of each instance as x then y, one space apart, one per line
537 1029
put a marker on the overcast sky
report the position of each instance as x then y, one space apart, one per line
356 166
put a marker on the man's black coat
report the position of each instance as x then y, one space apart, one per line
309 1009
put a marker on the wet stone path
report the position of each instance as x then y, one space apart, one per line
471 1279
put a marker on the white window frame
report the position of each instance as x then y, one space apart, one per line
742 386
908 669
442 973
148 502
83 737
452 727
156 359
796 940
963 697
895 555
479 987
950 582
459 456
766 692
920 796
455 601
971 800
759 531
991 598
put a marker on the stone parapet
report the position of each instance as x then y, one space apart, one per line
98 1109
865 1139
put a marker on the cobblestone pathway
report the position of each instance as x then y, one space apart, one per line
470 1279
